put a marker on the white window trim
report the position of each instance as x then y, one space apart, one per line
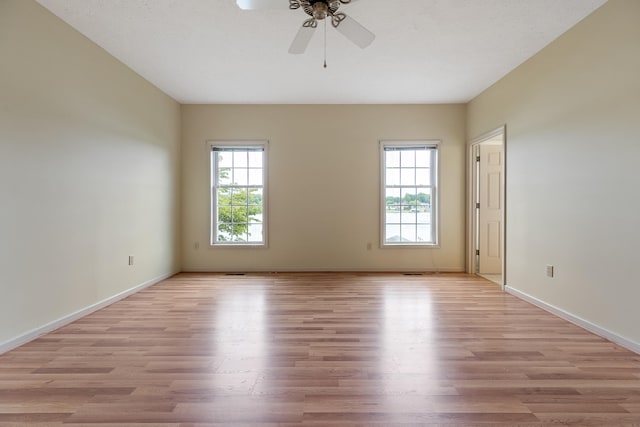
265 215
435 201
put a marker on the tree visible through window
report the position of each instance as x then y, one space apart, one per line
237 183
409 193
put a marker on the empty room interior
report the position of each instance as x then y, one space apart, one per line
423 213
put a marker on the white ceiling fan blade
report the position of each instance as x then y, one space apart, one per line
262 4
300 43
351 29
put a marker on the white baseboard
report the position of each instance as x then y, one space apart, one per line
585 324
56 324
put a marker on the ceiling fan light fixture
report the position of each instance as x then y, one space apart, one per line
320 10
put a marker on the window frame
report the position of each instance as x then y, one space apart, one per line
433 145
213 187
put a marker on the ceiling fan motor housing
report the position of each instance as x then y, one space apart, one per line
320 10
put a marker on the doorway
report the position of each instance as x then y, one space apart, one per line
487 206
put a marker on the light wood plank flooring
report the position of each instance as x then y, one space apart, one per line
320 350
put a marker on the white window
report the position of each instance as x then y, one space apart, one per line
238 193
409 193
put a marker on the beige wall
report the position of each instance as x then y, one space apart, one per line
89 162
573 126
324 189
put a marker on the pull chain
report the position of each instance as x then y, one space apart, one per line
325 43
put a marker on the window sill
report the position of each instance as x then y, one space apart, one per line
239 245
410 245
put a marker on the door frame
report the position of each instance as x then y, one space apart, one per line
472 200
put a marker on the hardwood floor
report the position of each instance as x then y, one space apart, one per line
320 350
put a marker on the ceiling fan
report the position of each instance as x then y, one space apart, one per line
318 10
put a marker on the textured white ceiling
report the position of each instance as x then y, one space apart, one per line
425 51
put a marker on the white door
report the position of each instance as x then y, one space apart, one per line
490 215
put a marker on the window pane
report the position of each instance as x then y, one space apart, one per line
240 159
224 214
392 177
239 214
392 234
224 159
224 176
255 233
392 196
255 159
239 196
408 215
254 196
423 216
224 196
408 158
239 235
408 232
408 176
255 177
423 158
255 214
424 197
392 159
424 233
408 196
392 215
423 176
240 176
224 232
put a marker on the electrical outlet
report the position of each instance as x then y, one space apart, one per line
130 259
549 270
369 246
196 245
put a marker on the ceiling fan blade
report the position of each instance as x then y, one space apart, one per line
262 4
354 31
300 43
